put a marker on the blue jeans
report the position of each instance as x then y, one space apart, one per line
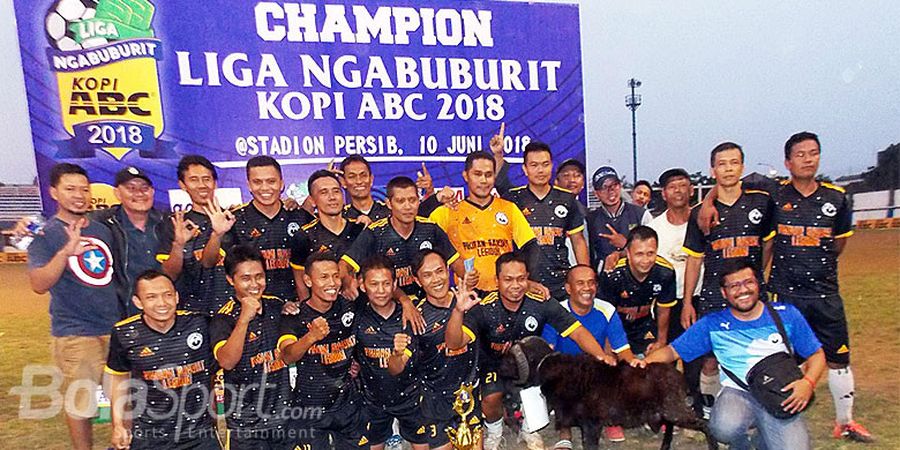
735 411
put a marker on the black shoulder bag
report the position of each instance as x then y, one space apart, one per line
769 376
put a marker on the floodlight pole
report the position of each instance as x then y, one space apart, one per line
632 102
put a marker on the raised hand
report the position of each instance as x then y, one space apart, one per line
471 279
185 229
688 315
424 181
466 299
401 343
250 308
334 169
364 220
615 238
221 219
76 245
318 329
121 438
496 143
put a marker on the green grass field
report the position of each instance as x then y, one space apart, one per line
870 277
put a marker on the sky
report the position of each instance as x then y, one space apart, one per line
711 71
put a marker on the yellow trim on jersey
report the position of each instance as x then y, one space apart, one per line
128 320
836 188
571 329
769 236
534 296
297 267
755 191
162 258
518 188
227 439
490 298
468 333
691 252
453 258
576 230
284 338
110 371
347 259
622 262
221 251
562 189
622 348
667 305
421 219
310 225
216 348
407 352
227 307
182 312
845 235
379 223
784 182
664 262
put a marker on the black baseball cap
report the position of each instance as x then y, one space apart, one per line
676 172
129 173
601 174
571 162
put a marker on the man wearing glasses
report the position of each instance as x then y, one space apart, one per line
609 224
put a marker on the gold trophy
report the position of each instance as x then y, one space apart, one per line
465 437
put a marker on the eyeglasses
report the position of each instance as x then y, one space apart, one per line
748 283
609 187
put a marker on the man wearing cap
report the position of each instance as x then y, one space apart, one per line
610 223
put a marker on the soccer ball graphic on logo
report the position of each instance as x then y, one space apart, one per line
60 19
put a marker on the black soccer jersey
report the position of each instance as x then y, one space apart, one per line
200 289
257 389
379 211
174 370
442 370
740 234
805 261
380 238
635 300
314 237
374 345
553 218
323 374
497 327
273 237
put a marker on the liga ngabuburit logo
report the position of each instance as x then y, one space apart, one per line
104 55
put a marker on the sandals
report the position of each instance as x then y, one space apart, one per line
563 444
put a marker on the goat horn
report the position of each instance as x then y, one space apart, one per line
521 364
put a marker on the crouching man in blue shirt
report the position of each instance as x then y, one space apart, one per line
741 336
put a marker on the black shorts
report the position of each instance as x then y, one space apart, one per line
381 424
203 440
828 321
437 415
275 439
490 382
346 424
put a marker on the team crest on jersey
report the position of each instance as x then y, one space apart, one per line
531 323
195 340
347 318
829 210
293 228
425 245
93 267
501 218
561 211
657 288
755 216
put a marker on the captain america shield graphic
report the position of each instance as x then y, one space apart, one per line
93 267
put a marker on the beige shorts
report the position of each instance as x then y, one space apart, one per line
81 360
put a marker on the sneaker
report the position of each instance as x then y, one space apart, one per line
852 431
707 406
394 442
492 442
532 441
614 434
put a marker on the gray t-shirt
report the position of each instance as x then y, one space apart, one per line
83 302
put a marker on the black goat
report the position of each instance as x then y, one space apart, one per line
583 390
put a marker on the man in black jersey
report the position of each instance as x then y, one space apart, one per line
382 342
244 335
263 223
813 221
399 237
501 318
745 231
357 179
183 239
441 371
330 231
642 288
321 341
166 356
554 215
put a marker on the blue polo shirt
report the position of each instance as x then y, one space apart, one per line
141 249
601 321
739 345
83 302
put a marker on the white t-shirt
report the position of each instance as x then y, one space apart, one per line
671 241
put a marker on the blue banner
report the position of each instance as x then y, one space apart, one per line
399 82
